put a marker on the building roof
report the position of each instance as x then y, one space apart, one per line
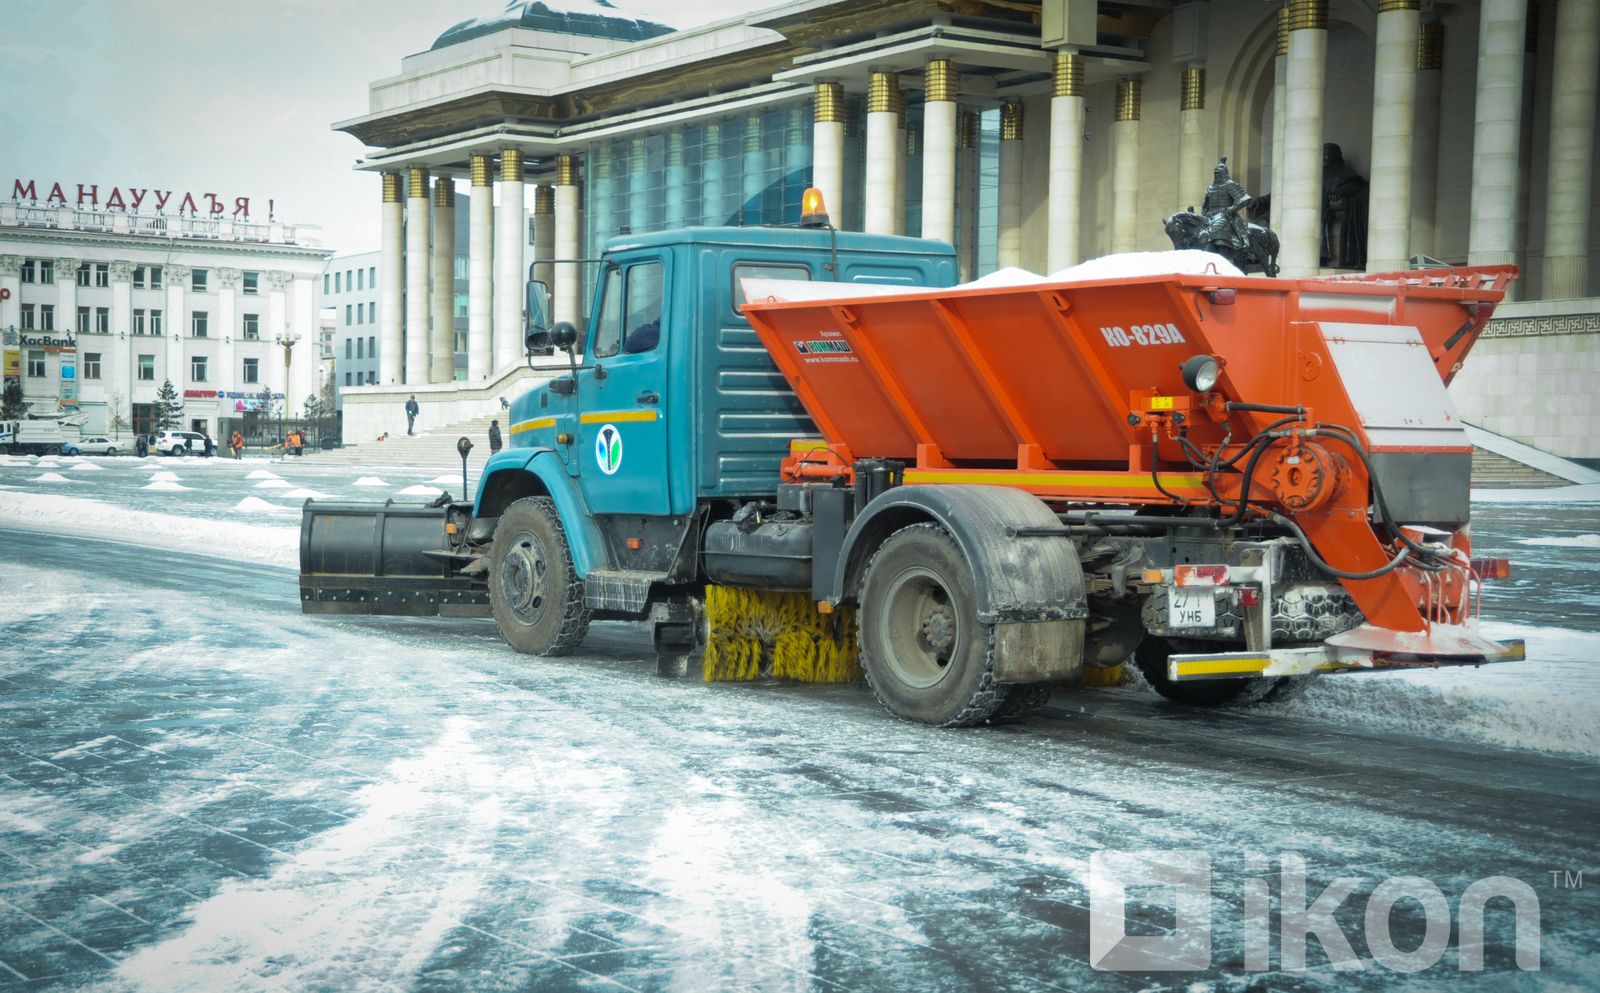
587 18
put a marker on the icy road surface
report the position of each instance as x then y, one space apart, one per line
202 790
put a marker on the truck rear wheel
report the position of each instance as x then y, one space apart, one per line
926 656
1152 655
536 594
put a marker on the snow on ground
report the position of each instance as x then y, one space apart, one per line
262 474
1565 541
88 467
165 485
52 514
256 505
370 481
1585 493
273 484
421 490
52 477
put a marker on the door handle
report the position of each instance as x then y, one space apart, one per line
647 397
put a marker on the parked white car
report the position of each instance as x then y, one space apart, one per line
183 443
97 445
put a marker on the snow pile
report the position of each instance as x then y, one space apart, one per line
164 477
1184 262
47 464
55 514
273 484
1009 276
303 494
1567 541
256 505
370 481
165 485
445 480
262 474
420 490
51 477
88 466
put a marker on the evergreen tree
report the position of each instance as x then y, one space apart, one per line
12 406
168 407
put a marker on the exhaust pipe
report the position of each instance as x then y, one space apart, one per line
386 558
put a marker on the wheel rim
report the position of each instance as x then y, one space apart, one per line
522 578
924 628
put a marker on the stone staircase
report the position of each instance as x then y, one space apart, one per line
1491 471
435 449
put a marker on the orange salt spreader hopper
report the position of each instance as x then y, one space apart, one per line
1315 406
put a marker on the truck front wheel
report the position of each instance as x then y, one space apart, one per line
535 592
926 656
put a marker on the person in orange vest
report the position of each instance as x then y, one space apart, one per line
236 443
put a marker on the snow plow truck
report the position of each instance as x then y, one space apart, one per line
803 453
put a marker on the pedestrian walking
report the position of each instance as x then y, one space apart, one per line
494 437
141 446
237 444
412 410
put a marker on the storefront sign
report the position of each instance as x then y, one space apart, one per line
199 394
116 198
13 363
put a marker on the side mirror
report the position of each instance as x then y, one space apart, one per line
564 335
536 310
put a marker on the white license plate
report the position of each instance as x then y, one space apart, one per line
1192 608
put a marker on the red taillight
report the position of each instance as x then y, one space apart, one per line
1223 296
1491 569
1200 575
1249 596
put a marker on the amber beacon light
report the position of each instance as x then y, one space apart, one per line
813 212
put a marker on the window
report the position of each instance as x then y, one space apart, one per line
197 323
155 322
630 310
252 370
372 379
359 355
27 317
140 277
155 277
252 283
347 379
338 287
197 369
372 345
102 320
763 270
83 320
372 277
35 363
197 280
361 279
347 310
47 270
47 317
83 275
91 365
147 368
252 327
30 271
138 320
327 284
102 274
347 347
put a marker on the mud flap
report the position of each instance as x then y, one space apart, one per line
384 558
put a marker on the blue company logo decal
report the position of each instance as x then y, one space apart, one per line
608 449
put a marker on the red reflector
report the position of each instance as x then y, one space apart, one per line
1488 569
1200 575
634 544
1223 297
1249 596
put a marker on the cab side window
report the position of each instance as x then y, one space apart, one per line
608 328
643 323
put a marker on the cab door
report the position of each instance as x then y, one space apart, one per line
622 433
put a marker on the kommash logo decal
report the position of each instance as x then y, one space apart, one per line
831 347
608 449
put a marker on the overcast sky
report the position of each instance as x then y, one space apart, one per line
226 97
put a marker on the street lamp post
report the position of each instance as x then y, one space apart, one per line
286 338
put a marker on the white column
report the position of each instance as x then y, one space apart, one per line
176 279
1425 130
827 148
118 372
511 237
279 321
1496 132
568 278
712 210
544 231
1567 197
1297 214
1125 218
480 270
418 305
225 328
1394 102
1066 161
967 201
939 151
1280 104
902 152
391 276
675 176
442 344
1008 247
883 131
753 167
11 282
67 297
1197 153
308 352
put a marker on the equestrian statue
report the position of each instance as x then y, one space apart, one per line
1218 228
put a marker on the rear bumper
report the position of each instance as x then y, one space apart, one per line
1321 659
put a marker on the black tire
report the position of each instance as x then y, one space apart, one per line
178 451
111 451
1151 658
1022 699
535 592
924 653
53 450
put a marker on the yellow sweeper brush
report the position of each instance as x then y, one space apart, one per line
755 633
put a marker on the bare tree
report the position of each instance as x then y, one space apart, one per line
118 421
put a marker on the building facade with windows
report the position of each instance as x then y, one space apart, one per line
99 306
350 296
1032 133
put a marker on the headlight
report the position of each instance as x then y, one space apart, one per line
1200 373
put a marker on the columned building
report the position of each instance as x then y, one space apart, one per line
102 302
1034 133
